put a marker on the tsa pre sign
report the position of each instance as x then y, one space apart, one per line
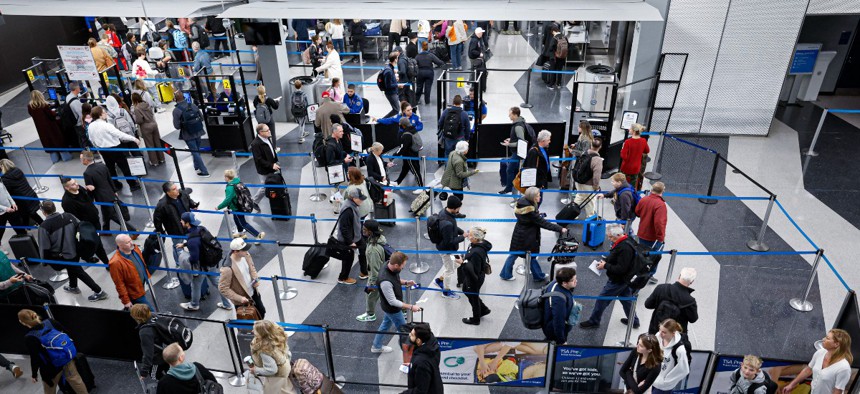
79 63
479 361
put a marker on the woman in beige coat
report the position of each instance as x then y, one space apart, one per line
271 355
239 280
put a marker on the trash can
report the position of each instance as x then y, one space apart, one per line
596 97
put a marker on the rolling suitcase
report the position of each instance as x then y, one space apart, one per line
571 211
385 212
24 246
165 92
279 197
547 78
593 234
315 260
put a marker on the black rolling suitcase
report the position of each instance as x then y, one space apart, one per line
548 78
385 212
315 260
279 197
24 246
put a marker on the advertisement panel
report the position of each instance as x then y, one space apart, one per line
780 371
493 362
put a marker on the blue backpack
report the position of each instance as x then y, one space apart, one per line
636 198
179 39
59 347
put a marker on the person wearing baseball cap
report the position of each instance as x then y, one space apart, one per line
375 253
328 107
452 236
349 231
477 49
239 280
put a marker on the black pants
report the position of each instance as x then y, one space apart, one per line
13 218
4 363
425 84
557 65
358 44
109 214
459 195
478 307
346 266
393 40
76 272
480 67
112 160
362 254
411 165
220 45
258 302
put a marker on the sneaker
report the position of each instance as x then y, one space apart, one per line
624 322
302 140
439 283
16 371
188 307
588 324
508 279
160 110
417 191
237 235
384 349
543 278
73 290
652 281
392 183
364 317
362 276
98 296
204 175
347 281
404 368
261 235
504 191
450 295
225 306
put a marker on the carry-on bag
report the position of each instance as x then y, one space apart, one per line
593 234
315 260
24 246
381 211
165 92
279 197
571 211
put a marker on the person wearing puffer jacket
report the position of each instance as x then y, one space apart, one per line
526 235
676 368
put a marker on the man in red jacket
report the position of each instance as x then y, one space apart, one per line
651 211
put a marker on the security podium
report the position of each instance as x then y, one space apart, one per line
225 112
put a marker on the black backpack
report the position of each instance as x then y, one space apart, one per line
530 135
433 230
381 80
582 172
411 68
530 304
319 147
190 118
211 252
208 386
204 37
685 341
67 117
171 329
298 106
768 383
451 125
244 200
642 265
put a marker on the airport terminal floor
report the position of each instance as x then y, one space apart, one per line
742 295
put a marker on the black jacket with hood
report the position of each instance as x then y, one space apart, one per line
18 186
473 268
526 235
424 376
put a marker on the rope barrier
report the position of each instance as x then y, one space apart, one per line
844 111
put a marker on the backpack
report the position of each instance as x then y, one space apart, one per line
642 264
319 149
190 119
530 136
411 68
298 104
57 344
636 198
768 383
211 252
388 251
243 199
67 116
685 340
179 39
530 304
122 123
667 309
171 329
561 47
433 228
381 80
204 37
263 113
208 386
451 127
582 168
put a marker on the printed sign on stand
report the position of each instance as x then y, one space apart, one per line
803 60
79 63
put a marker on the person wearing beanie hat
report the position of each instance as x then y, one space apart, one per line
239 280
375 252
451 237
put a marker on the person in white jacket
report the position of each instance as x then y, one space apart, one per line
675 368
332 64
141 68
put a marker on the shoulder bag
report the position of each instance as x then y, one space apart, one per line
335 248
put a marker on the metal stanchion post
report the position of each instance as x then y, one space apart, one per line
277 291
409 313
630 320
529 29
758 244
654 174
235 161
418 266
314 227
226 217
570 195
528 87
150 223
811 150
118 210
430 190
235 380
526 269
361 64
289 292
39 188
329 358
802 305
152 291
711 183
317 196
672 254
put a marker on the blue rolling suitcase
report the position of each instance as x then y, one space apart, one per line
593 234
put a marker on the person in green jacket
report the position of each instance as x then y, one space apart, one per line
229 203
375 260
456 171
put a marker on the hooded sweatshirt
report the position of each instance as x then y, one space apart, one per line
181 379
424 375
742 385
672 371
119 117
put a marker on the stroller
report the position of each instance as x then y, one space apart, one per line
565 244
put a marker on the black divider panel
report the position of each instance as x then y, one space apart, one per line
100 332
612 156
353 119
12 339
366 134
388 135
490 137
849 320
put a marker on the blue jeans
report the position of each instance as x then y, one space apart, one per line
338 44
395 319
511 172
143 300
242 224
57 156
450 144
197 286
612 289
456 52
394 101
194 145
655 245
508 268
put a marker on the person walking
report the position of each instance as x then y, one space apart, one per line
105 135
58 242
519 132
15 370
474 270
145 119
270 352
477 49
526 235
557 307
633 154
830 366
188 119
183 377
128 272
239 279
391 300
42 362
81 205
642 365
197 236
390 84
266 104
45 119
591 181
349 231
151 342
168 212
426 76
100 186
265 159
674 301
230 202
450 237
453 125
652 213
457 172
619 269
424 376
676 361
375 251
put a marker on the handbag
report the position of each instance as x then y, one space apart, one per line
247 312
517 183
335 248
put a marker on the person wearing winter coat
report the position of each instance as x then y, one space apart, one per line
642 365
410 147
229 202
271 104
331 65
145 119
270 351
526 235
151 343
473 272
680 294
182 376
239 279
349 230
619 267
457 172
424 376
375 254
17 185
45 119
676 368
